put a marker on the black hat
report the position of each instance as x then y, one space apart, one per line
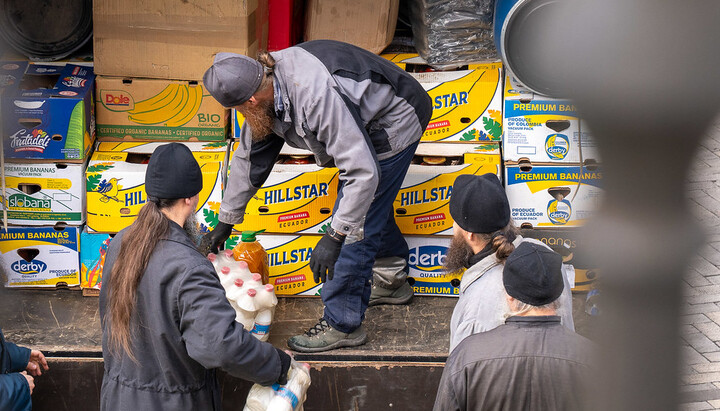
173 173
533 274
478 204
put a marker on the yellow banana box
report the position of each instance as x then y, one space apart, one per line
426 274
237 122
152 109
45 194
115 185
288 259
93 251
552 195
40 257
467 104
543 129
422 204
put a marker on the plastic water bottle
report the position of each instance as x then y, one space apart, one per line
592 306
261 329
258 398
291 396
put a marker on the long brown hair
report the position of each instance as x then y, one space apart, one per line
502 240
136 248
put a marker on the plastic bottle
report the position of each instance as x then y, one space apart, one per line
591 302
261 328
258 398
250 251
291 396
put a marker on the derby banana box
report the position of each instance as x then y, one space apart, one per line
467 104
425 263
149 110
115 185
47 111
40 257
288 259
93 251
569 244
551 195
543 129
45 193
422 204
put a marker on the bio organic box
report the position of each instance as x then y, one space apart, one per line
47 111
45 194
40 257
288 258
570 245
467 104
422 204
93 251
115 184
551 195
425 263
151 110
543 129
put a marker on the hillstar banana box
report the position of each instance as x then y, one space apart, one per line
543 129
288 259
467 104
40 257
115 183
569 244
543 195
426 274
422 204
45 193
47 111
92 260
150 109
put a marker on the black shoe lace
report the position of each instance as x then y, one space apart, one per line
316 329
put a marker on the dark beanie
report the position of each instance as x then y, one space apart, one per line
479 204
233 78
173 173
533 274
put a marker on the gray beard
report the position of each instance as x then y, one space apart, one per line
192 228
458 255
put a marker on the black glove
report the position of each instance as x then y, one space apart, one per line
325 254
214 238
285 361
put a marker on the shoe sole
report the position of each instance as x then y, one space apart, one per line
391 300
338 344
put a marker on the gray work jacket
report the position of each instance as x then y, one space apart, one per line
183 328
529 363
349 107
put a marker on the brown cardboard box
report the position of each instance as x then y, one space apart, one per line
369 24
169 39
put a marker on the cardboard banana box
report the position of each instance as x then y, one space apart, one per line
150 109
40 257
93 251
115 185
426 274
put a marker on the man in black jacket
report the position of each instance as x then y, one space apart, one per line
531 362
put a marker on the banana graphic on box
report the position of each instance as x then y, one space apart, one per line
175 105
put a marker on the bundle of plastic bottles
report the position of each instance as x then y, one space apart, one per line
253 301
288 397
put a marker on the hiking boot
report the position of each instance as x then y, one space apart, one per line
322 337
400 295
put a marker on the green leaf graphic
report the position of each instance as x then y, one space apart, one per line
215 144
493 128
323 228
92 182
98 168
211 218
231 242
469 135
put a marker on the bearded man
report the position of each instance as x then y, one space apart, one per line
166 323
355 111
483 238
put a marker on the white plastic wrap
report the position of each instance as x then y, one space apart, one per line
288 397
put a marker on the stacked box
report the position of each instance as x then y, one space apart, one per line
92 260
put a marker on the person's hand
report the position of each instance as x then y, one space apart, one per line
30 381
37 363
214 238
324 256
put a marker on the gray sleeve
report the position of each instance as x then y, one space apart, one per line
446 399
337 126
213 337
250 167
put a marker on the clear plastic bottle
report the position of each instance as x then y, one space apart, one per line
250 251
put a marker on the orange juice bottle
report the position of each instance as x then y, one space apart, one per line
250 251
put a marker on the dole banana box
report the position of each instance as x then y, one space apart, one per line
149 109
422 204
47 111
467 104
93 251
40 257
543 129
425 263
115 183
550 195
45 193
568 242
288 259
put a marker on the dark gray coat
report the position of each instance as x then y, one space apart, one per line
183 329
528 363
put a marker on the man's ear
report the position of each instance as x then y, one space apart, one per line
252 100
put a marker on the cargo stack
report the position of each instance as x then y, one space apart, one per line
553 176
48 129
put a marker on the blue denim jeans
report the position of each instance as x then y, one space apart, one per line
346 296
